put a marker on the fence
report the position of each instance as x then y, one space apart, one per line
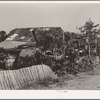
16 79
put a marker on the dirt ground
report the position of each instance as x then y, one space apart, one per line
83 81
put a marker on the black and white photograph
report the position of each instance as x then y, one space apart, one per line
49 46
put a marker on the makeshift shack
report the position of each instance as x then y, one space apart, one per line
23 38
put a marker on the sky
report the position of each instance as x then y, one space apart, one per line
67 16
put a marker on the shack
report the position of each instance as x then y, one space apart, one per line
23 38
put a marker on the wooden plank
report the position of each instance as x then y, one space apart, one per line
13 81
23 77
28 76
37 71
34 73
20 78
43 71
1 81
17 84
0 85
11 78
16 77
31 77
46 71
7 80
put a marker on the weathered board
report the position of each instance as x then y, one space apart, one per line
16 79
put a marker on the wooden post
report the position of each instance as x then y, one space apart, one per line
64 43
88 46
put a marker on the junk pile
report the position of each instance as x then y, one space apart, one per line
22 44
48 37
49 46
60 64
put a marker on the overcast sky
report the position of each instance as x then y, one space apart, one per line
67 16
